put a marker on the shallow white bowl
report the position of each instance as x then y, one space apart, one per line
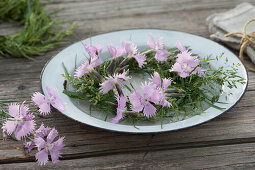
51 76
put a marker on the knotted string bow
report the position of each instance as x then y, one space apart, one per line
246 40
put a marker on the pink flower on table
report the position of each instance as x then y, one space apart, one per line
180 47
131 50
88 66
21 122
46 146
112 81
120 109
161 54
187 64
40 132
29 145
162 85
93 50
51 99
150 94
116 51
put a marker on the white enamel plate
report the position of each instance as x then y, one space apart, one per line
80 111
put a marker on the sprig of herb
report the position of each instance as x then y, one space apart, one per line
41 33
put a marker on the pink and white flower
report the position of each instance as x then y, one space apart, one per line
111 82
93 50
187 64
131 50
180 47
21 122
161 54
40 132
88 66
116 52
162 85
120 109
46 146
150 94
51 99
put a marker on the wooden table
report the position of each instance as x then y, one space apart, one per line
227 142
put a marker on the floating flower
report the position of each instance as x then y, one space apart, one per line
180 47
162 85
120 109
111 82
150 94
88 66
44 102
116 51
186 64
21 123
161 54
131 50
46 146
93 50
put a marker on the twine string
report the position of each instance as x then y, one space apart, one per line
246 40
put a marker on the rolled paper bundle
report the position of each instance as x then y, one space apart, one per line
230 21
246 40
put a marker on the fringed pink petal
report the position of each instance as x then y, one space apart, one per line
44 108
14 109
136 101
42 157
9 126
24 129
149 110
38 98
107 85
51 136
162 55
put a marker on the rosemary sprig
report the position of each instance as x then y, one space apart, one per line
41 33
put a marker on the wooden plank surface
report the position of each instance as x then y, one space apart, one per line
226 142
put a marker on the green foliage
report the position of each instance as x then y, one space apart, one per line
41 33
3 111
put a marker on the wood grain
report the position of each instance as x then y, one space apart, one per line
216 157
226 142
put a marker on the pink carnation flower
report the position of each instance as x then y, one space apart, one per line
162 85
131 50
161 54
46 146
40 132
112 81
88 66
29 145
120 109
116 51
51 99
180 47
21 123
185 65
93 50
150 94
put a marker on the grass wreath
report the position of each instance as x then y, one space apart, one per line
40 34
179 85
